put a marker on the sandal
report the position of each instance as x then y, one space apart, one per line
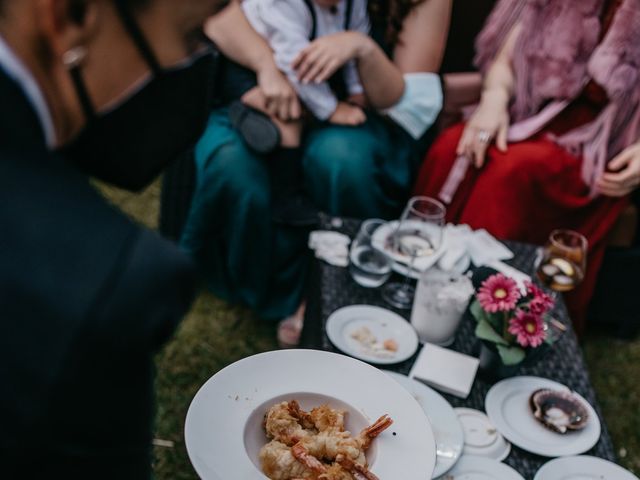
257 130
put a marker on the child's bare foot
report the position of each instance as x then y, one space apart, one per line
347 114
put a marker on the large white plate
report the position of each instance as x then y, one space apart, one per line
380 241
223 429
382 323
582 468
447 429
507 405
481 468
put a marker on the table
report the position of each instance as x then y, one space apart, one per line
331 288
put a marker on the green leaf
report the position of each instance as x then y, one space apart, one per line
477 311
485 331
511 355
495 320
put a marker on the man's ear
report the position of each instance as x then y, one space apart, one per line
68 24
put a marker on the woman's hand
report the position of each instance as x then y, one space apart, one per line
623 175
489 123
281 100
325 55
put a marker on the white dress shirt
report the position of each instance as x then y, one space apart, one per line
287 25
17 71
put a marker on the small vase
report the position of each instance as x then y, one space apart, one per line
492 369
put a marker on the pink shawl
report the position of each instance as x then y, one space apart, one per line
556 55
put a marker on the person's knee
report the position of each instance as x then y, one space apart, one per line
339 154
235 176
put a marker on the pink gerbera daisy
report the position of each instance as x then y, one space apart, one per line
528 329
540 302
498 294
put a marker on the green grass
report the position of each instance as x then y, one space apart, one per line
215 334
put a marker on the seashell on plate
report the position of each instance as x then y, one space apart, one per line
559 411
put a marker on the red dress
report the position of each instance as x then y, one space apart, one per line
532 189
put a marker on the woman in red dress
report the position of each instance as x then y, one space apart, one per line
555 139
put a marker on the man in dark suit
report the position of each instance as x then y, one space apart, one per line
86 296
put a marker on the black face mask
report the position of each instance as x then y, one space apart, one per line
131 144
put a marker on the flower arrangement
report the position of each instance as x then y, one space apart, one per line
516 322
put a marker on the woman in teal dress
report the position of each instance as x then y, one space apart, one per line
360 172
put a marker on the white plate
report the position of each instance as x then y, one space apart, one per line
470 467
582 468
481 438
224 433
400 262
382 323
444 422
507 405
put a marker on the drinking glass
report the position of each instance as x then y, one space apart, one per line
419 234
368 266
563 261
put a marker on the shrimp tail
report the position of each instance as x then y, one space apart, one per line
297 412
304 457
358 471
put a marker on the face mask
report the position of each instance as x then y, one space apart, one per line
132 143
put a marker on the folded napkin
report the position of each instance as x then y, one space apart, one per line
332 247
464 245
446 370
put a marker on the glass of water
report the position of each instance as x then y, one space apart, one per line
368 266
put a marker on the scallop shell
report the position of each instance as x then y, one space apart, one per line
559 411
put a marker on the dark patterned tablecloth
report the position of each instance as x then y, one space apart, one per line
331 288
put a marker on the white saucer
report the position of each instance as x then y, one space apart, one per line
507 405
382 323
470 467
444 422
400 262
224 432
582 468
481 438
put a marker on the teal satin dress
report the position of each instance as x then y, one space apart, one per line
246 259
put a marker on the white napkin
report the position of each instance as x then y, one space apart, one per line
445 370
332 247
484 248
480 247
456 248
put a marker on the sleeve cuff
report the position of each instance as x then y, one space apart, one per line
420 104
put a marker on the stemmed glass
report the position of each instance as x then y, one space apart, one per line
563 261
419 234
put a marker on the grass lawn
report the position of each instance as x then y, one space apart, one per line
214 335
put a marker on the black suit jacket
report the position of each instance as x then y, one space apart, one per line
86 298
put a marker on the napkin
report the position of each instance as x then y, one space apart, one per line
464 245
332 247
445 370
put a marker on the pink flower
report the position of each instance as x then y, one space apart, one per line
498 294
528 329
540 302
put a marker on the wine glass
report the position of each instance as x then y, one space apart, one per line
419 234
368 266
563 261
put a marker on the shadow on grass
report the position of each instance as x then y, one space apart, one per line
210 338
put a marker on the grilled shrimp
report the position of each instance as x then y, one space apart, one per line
329 444
279 463
283 423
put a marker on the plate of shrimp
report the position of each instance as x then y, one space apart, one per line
306 414
315 443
